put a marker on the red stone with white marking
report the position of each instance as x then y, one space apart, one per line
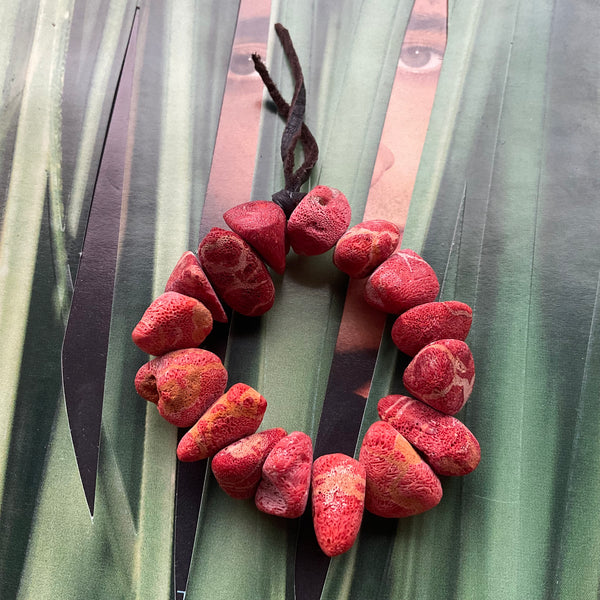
338 501
399 482
172 322
238 467
447 444
442 375
319 221
404 280
183 384
234 415
430 322
365 246
236 272
283 490
262 224
189 279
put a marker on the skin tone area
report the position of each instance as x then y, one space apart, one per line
398 157
399 154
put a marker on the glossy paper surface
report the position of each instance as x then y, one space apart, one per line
504 208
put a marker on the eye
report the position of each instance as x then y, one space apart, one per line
420 59
241 66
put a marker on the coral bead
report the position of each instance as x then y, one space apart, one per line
283 490
404 280
238 467
442 375
365 246
263 225
338 501
447 444
399 482
234 415
319 221
236 272
183 384
172 322
189 279
430 322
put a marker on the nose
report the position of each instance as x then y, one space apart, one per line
383 162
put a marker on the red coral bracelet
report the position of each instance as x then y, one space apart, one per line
417 438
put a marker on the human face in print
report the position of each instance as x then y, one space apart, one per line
408 113
405 126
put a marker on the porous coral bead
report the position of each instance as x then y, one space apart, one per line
189 279
262 224
338 501
236 414
430 322
319 220
172 322
238 467
447 444
183 384
283 490
399 482
236 272
365 246
404 280
442 375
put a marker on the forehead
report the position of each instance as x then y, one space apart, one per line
429 14
250 9
254 15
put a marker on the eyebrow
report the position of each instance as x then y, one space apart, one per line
424 22
253 28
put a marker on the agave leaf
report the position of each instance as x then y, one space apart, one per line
504 209
309 297
36 282
159 218
481 214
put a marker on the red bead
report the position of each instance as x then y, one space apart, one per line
183 384
172 322
404 280
365 246
189 279
447 444
442 375
430 322
319 221
238 467
399 483
338 501
283 490
236 272
234 415
262 224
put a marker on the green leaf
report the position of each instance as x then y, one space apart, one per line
504 209
292 370
484 213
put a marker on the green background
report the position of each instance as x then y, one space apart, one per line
505 209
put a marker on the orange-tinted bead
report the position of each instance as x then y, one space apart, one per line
399 483
183 384
234 415
338 501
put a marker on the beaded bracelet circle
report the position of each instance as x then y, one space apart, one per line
417 438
